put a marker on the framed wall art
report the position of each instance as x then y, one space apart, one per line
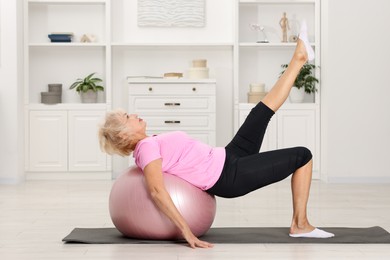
171 13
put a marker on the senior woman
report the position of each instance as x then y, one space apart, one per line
231 171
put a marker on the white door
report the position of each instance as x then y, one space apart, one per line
48 141
297 128
84 149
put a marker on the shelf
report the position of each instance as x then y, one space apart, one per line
162 80
289 106
270 45
67 44
68 2
67 106
273 2
173 45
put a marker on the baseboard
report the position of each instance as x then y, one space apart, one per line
362 180
68 176
11 180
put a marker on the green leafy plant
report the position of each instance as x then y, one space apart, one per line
305 78
88 83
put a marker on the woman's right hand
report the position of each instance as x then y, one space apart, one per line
155 184
193 241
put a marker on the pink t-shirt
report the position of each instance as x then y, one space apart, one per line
187 158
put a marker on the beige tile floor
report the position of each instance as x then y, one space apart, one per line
35 216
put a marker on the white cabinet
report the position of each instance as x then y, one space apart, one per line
299 127
62 141
296 128
84 150
48 141
169 105
295 124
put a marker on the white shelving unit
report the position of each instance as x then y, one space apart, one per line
254 62
65 62
53 149
123 49
260 62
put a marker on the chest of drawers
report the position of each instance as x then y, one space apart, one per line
171 105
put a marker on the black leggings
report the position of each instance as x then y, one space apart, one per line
246 169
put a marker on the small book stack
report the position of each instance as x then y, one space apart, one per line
60 37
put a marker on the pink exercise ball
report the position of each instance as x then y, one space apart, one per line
134 213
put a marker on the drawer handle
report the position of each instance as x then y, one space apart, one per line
193 89
172 122
172 104
150 89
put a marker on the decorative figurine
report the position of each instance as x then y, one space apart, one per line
285 26
257 27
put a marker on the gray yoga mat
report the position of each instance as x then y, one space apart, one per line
238 235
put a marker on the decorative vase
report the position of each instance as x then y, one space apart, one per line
89 97
297 95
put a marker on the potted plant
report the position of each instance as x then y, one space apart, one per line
88 88
304 83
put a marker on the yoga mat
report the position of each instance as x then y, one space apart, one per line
238 235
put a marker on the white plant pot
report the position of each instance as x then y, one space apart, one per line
297 95
88 97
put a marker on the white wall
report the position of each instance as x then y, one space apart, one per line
11 109
355 90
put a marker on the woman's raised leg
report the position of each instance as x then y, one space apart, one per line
280 91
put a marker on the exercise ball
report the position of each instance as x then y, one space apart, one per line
135 215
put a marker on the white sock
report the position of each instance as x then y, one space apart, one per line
316 233
304 37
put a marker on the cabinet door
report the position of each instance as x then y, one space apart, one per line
297 128
84 149
48 141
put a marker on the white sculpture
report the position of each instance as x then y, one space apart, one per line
257 27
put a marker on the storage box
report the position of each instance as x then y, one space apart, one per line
51 97
55 88
198 73
256 97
